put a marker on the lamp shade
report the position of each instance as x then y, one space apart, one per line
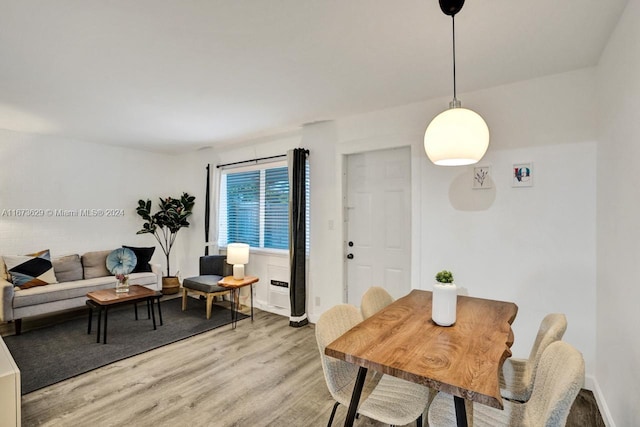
237 253
456 137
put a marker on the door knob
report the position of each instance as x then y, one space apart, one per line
350 256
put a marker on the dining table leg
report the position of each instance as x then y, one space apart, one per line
461 411
355 397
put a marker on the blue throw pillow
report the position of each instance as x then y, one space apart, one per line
121 261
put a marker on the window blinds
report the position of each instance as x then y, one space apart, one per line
254 207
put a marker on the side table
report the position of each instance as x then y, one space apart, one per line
234 285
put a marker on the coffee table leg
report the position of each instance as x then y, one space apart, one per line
99 324
159 309
135 309
252 302
104 335
90 318
153 312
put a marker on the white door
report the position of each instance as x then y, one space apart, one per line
378 215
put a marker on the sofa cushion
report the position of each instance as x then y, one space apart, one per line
28 271
94 264
67 268
143 256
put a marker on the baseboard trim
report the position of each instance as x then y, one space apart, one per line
591 383
262 305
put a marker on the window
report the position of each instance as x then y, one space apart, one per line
254 207
242 207
276 212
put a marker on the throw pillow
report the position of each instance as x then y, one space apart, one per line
121 261
67 268
28 271
95 264
144 256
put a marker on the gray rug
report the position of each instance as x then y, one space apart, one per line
55 353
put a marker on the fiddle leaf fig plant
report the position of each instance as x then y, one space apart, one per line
444 276
165 224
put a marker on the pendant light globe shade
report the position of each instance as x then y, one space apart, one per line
456 137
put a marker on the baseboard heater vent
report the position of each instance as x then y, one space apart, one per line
277 276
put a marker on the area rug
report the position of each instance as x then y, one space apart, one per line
55 353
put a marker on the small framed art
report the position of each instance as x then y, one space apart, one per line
522 174
481 177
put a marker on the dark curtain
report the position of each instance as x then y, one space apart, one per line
207 212
297 236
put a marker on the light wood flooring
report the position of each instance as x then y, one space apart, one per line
260 374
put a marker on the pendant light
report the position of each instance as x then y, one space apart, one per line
457 136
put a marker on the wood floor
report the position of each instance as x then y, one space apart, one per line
260 374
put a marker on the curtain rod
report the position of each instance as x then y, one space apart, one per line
255 160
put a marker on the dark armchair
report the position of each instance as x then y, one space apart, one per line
212 269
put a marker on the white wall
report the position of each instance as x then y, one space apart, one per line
533 246
618 293
53 174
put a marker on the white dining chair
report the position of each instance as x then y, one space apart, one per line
517 375
559 377
374 300
391 401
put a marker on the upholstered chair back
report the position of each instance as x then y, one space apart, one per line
559 378
374 300
339 375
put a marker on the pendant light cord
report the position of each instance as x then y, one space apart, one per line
453 23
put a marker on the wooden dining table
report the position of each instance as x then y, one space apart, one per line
463 360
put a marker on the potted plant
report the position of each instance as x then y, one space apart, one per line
445 298
444 276
164 225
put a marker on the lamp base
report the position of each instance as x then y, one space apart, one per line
238 271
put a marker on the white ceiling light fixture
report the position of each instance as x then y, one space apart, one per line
457 136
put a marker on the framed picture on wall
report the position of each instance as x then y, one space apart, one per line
522 174
482 177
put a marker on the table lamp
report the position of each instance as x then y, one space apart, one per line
238 255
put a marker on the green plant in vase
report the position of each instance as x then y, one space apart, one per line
445 296
444 276
167 221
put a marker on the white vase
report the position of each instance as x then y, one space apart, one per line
443 305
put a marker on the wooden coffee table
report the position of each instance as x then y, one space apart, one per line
104 299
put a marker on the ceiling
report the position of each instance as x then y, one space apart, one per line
172 75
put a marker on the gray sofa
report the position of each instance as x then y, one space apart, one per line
75 275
